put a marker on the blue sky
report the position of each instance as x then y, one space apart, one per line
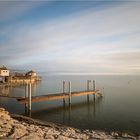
71 37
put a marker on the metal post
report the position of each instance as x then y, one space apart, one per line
69 92
29 98
64 92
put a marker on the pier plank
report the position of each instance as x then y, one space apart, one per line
56 96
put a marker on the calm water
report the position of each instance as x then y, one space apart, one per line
117 110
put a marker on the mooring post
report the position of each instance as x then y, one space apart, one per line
26 95
30 98
88 81
64 92
69 92
94 88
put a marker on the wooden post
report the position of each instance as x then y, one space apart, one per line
94 88
64 92
26 95
30 98
87 85
69 92
88 81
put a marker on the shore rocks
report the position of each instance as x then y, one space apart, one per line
6 123
20 129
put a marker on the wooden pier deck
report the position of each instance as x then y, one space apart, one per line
28 99
57 96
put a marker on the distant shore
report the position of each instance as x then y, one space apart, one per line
21 127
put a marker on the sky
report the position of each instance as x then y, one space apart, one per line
71 37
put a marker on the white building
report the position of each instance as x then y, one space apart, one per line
4 72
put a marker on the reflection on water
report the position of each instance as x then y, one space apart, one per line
65 114
4 90
17 89
117 110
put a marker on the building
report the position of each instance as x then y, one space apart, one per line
4 74
31 73
4 71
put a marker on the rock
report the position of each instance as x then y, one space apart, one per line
31 136
126 135
138 137
131 137
72 131
60 137
19 131
115 134
49 136
40 132
14 129
2 109
50 131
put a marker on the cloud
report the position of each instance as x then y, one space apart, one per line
15 8
102 41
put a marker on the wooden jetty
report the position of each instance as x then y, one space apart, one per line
57 96
28 99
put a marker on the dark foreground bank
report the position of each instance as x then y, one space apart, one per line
21 127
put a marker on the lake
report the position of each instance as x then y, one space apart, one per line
117 110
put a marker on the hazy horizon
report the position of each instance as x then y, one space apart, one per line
71 37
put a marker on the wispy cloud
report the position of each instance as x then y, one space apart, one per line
13 9
102 41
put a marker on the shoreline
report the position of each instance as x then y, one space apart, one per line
14 126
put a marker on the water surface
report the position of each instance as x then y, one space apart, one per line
117 110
